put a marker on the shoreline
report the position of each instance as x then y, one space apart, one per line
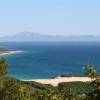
57 80
8 52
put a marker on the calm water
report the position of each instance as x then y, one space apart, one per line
45 60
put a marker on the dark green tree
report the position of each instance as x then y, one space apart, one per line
3 67
95 95
3 72
90 70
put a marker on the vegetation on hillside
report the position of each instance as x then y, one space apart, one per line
13 89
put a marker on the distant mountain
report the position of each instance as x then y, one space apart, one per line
25 36
30 36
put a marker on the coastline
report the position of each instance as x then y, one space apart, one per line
7 52
58 80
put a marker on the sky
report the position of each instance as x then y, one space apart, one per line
52 17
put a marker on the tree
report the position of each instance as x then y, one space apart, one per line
14 90
3 67
3 71
90 70
10 88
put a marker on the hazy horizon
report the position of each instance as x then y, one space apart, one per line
54 35
54 17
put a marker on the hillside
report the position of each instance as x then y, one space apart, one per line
14 89
31 37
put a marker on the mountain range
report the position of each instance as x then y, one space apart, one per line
30 36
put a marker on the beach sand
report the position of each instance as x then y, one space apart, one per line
6 52
58 80
9 52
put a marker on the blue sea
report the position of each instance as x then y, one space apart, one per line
48 59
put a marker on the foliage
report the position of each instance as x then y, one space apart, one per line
3 67
77 87
13 89
3 71
90 70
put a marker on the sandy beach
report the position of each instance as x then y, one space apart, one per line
58 80
7 52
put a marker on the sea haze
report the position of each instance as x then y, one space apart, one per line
45 60
38 37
